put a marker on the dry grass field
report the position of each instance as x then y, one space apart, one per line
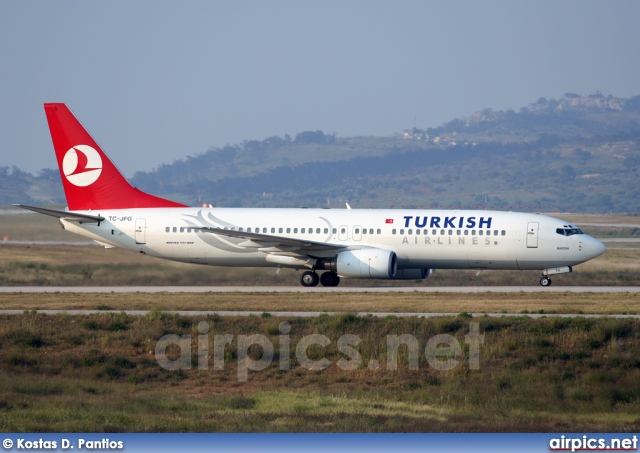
512 303
99 373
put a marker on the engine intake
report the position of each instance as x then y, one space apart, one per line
363 263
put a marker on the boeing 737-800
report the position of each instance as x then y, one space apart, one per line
393 244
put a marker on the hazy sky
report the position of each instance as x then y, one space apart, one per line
156 81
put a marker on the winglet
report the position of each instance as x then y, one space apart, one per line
89 178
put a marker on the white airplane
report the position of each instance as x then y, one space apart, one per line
393 244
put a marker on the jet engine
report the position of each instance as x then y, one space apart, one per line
363 263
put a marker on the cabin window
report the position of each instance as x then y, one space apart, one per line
410 232
273 230
335 230
182 229
495 232
458 232
379 231
473 232
318 230
401 231
364 231
167 230
450 232
393 231
466 232
288 230
280 230
295 231
504 233
418 232
480 233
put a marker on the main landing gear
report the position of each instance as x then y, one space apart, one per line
545 281
311 278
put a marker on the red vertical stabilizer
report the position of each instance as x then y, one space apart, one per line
90 179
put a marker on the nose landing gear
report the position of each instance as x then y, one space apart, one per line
546 281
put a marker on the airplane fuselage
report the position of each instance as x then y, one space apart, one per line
421 239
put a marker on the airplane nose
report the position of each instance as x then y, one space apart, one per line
594 247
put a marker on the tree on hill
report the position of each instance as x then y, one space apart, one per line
317 137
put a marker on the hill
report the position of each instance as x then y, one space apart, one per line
578 153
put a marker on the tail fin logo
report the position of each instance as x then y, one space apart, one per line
82 165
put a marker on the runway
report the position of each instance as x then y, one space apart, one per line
319 289
313 314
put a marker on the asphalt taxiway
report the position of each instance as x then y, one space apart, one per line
319 289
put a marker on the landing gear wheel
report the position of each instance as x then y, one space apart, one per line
329 279
545 281
309 278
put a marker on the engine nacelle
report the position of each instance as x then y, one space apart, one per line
412 274
364 263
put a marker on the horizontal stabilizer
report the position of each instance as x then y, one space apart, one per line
72 216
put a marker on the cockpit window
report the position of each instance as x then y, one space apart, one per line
568 231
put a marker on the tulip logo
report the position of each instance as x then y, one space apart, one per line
82 165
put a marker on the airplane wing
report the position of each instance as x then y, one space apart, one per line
265 240
66 215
